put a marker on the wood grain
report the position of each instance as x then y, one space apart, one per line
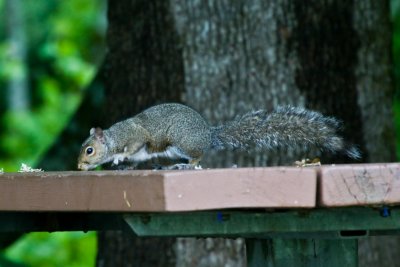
82 191
360 185
158 190
241 188
172 191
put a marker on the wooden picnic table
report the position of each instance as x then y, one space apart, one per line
289 216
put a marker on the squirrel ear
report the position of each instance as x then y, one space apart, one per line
92 131
98 133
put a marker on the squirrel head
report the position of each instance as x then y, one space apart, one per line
93 151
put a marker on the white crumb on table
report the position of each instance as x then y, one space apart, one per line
26 168
307 163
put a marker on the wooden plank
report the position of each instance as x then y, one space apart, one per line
359 185
240 188
82 191
305 223
352 222
158 190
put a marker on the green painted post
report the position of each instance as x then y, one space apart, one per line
280 252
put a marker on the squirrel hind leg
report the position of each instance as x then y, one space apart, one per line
191 164
195 161
180 166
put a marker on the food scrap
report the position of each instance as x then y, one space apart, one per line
26 168
308 162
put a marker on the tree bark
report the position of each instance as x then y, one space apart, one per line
144 67
125 249
144 63
227 57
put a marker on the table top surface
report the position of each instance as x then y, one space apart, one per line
195 190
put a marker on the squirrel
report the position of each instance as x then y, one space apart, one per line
176 131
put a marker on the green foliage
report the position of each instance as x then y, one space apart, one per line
65 44
14 67
73 249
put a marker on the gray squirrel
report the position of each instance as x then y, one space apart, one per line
176 131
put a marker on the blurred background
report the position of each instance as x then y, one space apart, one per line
49 53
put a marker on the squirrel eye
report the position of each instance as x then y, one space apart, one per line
89 150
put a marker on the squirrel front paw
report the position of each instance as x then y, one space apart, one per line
118 159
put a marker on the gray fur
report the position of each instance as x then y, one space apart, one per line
285 127
175 131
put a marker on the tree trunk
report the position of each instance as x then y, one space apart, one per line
144 67
227 57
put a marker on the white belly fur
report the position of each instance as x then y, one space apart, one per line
171 153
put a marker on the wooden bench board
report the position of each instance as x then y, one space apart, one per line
152 191
161 203
176 191
359 185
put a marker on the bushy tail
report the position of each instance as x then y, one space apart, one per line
286 127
